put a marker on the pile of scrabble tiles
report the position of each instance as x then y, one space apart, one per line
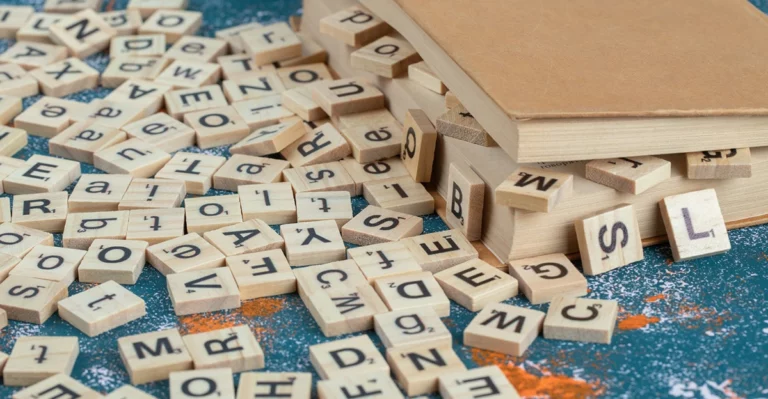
302 144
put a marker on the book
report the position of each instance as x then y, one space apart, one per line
563 80
515 234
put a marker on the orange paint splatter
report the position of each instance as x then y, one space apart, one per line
655 298
200 322
637 321
204 322
262 307
555 386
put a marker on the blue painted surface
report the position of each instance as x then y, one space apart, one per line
706 337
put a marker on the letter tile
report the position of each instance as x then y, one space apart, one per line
235 348
185 253
322 144
81 229
211 213
7 166
197 48
153 194
609 239
418 369
329 176
155 225
102 308
629 175
148 7
374 171
84 33
137 98
412 328
326 205
5 209
232 35
129 392
163 131
98 193
60 385
44 211
42 174
48 117
36 28
384 260
344 310
387 57
81 141
212 383
50 263
374 225
346 357
581 319
475 284
544 277
411 291
372 142
275 385
694 225
29 299
534 189
400 194
180 102
217 126
354 26
124 69
422 74
262 111
70 7
486 382
369 385
240 65
276 42
312 243
203 291
261 274
272 203
137 46
465 200
441 250
252 85
334 275
504 328
153 356
131 157
299 101
19 240
196 170
14 17
11 141
270 139
173 23
346 96
33 359
300 75
118 260
17 82
243 170
249 236
125 22
31 55
722 164
459 123
185 74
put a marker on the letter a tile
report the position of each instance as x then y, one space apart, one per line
694 224
609 239
250 236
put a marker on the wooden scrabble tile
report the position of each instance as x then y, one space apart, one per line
180 102
322 278
374 171
153 356
418 146
19 240
376 117
48 116
15 81
504 328
272 203
534 189
81 229
262 111
270 139
112 113
400 194
581 319
118 260
722 164
217 126
240 65
387 56
299 101
232 36
276 42
252 85
60 385
153 194
162 131
694 224
422 74
202 291
70 6
311 53
384 260
31 300
300 75
50 263
148 7
413 290
261 274
11 141
186 74
441 250
102 308
196 170
35 29
326 205
235 348
124 22
487 382
354 26
629 175
197 48
211 213
418 369
347 357
33 359
173 23
7 166
120 70
374 225
544 277
137 46
155 225
346 96
609 239
186 253
10 106
131 157
275 385
129 392
80 141
13 18
459 123
329 176
42 174
374 142
212 383
5 209
132 95
84 33
322 144
31 55
96 193
241 170
312 243
249 236
475 284
370 385
413 327
465 200
43 211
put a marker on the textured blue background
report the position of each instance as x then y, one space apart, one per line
694 329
